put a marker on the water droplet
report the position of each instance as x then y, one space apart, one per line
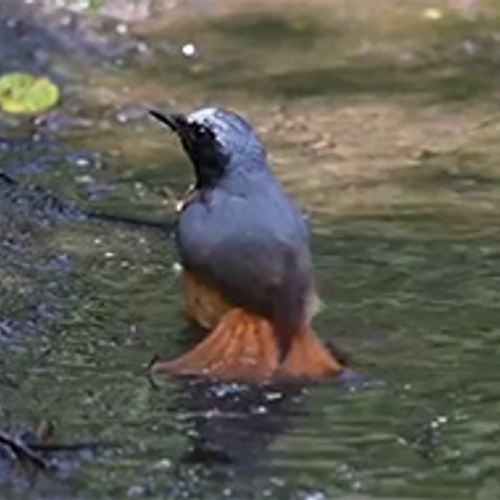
432 14
260 410
122 28
136 491
189 50
177 268
162 465
273 396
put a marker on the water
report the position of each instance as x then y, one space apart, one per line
398 170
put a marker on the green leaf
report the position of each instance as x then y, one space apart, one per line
26 93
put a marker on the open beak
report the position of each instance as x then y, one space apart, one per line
176 122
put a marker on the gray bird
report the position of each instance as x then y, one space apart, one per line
244 246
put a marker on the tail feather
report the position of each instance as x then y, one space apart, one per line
308 358
244 347
241 348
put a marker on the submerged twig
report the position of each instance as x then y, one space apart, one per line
23 451
36 452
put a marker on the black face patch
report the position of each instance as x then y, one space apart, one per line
206 153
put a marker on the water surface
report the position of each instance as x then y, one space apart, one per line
380 122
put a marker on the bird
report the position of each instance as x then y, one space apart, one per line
244 247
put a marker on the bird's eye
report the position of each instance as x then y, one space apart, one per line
202 132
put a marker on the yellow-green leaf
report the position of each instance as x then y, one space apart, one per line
26 93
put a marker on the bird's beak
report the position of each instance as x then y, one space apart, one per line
176 122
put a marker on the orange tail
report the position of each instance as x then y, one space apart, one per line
241 348
308 358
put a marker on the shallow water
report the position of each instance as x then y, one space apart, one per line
399 177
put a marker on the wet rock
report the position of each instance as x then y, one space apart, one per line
31 35
57 121
33 203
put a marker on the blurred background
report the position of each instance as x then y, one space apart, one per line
380 117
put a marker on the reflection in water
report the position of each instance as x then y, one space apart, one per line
234 424
229 429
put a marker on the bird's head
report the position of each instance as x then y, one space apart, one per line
218 142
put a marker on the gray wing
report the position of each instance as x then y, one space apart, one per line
257 253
